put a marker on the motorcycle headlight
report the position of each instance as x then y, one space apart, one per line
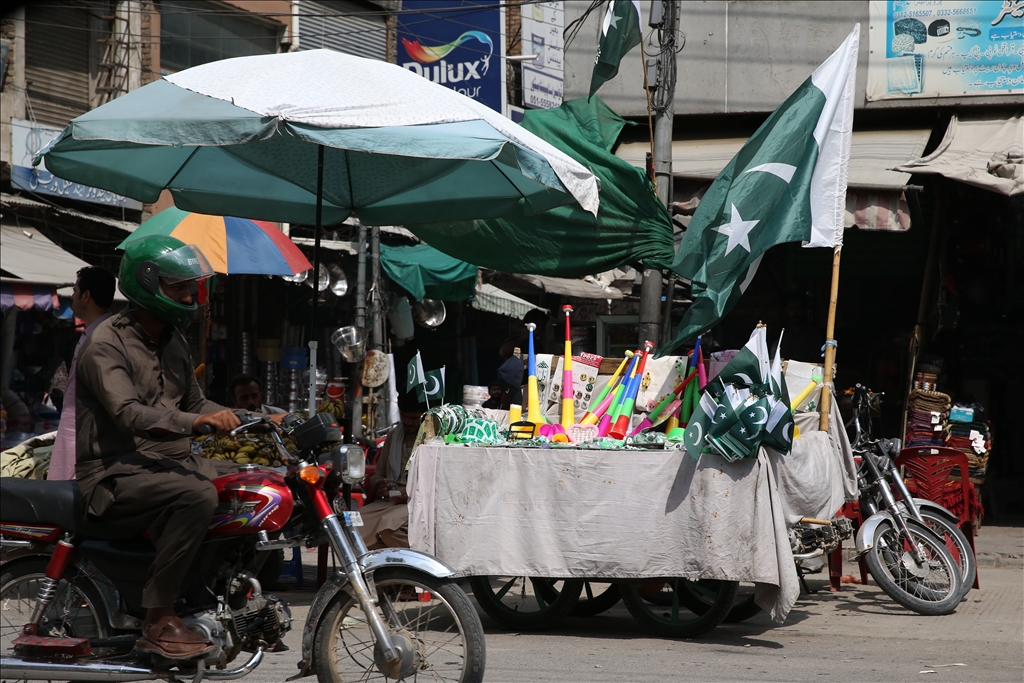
350 462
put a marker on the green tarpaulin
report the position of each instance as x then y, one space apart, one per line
630 226
425 272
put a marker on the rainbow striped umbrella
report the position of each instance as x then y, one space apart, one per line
232 245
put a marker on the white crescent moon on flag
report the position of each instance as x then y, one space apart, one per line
437 385
744 377
763 410
700 432
787 433
784 171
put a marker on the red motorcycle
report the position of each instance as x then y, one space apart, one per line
71 590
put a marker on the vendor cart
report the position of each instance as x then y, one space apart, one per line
674 535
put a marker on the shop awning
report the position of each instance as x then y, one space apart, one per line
493 300
979 149
28 255
25 296
577 289
425 272
872 155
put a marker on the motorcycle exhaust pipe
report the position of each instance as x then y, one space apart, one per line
15 668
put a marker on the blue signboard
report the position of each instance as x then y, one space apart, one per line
945 48
459 44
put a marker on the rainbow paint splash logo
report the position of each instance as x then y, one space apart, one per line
430 62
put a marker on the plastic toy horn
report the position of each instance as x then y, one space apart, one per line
665 409
605 422
568 409
593 416
621 426
533 413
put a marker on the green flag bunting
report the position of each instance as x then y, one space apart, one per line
786 184
620 33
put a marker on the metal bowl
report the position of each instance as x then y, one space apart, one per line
429 313
351 342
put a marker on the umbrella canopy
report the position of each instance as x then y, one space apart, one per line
241 137
233 246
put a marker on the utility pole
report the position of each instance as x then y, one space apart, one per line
663 93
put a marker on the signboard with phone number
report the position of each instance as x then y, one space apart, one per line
945 48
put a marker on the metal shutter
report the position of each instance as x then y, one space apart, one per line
57 42
342 26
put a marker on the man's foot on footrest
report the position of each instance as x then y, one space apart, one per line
170 638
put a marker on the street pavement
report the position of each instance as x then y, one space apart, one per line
857 634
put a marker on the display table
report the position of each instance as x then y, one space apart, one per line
598 514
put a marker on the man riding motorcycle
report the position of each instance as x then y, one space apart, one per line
138 402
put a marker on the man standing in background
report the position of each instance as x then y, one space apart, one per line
90 301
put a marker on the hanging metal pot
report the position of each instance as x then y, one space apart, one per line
429 313
351 342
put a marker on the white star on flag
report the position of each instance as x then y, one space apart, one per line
737 231
613 19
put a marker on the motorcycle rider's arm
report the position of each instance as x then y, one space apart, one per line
103 367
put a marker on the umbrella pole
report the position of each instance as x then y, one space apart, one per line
316 276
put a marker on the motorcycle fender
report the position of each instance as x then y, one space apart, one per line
866 533
370 562
924 503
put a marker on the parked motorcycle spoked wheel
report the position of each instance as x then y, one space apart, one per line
439 637
661 606
76 611
932 587
957 545
523 603
595 598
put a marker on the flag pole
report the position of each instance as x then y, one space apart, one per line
830 343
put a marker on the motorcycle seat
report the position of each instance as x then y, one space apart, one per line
54 503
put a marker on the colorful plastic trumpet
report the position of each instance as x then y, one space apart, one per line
533 413
568 407
621 426
593 416
665 409
605 423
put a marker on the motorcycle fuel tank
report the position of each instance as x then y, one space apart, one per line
249 502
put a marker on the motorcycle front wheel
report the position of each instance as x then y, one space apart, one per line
957 545
930 588
661 606
431 619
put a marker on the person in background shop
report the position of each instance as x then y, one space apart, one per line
386 519
494 402
90 301
245 393
512 371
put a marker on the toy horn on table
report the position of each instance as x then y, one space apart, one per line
603 399
568 409
625 414
533 413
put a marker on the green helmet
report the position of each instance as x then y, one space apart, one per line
159 257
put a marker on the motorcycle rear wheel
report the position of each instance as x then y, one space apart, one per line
932 589
443 629
662 609
76 611
523 603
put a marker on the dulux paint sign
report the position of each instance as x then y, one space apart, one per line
459 44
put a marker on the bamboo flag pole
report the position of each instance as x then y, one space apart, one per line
830 343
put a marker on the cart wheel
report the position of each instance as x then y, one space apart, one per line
700 596
596 597
522 603
661 606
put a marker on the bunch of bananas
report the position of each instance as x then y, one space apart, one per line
334 406
241 451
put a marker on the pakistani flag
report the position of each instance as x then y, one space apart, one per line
786 184
699 426
432 388
620 33
414 373
780 418
750 367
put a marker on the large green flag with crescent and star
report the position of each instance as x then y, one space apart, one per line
786 184
620 33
